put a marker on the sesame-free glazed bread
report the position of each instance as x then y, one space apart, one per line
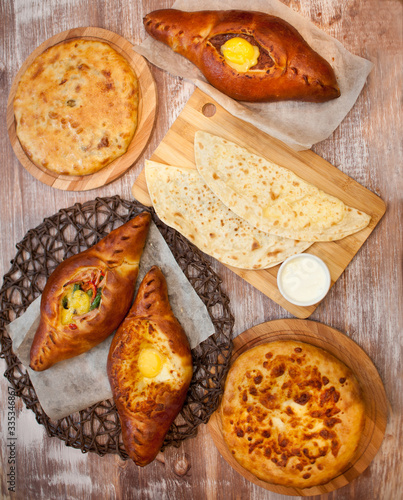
250 56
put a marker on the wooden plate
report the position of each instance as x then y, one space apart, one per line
202 113
354 357
146 116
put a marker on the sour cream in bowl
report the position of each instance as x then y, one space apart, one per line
303 279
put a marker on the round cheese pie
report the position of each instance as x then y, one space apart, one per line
76 107
292 414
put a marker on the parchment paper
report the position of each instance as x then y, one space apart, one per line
298 124
77 383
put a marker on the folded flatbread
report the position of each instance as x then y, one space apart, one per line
183 201
272 198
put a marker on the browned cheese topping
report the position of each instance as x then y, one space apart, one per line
292 414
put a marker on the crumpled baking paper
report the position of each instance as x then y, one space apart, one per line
77 383
298 124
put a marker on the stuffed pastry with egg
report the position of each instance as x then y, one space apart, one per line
149 369
88 295
247 55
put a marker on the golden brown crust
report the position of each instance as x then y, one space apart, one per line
76 107
148 406
292 414
117 256
288 68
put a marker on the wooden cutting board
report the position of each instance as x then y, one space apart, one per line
202 113
146 113
355 358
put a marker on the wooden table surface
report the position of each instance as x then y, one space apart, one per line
365 303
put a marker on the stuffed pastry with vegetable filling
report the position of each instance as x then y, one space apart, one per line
88 295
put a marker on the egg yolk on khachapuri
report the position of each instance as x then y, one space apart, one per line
240 54
150 362
74 304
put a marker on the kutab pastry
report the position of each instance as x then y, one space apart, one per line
271 197
182 200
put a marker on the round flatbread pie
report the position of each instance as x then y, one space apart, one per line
292 414
76 107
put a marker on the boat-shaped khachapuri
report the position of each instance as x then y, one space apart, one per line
88 295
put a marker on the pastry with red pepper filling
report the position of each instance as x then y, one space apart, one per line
88 295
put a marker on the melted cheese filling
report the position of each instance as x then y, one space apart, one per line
240 54
78 303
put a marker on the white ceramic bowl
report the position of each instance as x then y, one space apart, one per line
304 280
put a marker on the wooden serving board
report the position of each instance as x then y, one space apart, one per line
177 149
146 114
348 352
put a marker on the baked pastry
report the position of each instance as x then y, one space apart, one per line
292 414
250 56
149 369
88 295
76 107
272 198
183 201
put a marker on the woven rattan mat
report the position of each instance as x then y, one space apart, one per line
70 231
